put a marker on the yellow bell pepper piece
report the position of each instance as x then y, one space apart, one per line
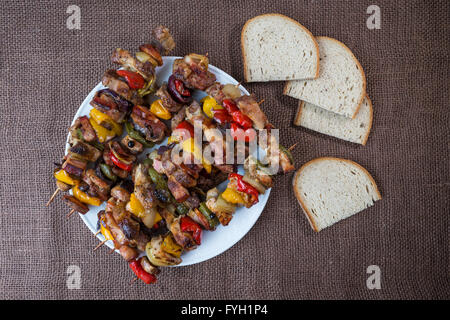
189 145
159 110
210 104
85 198
105 232
138 209
103 134
63 176
172 140
232 196
100 117
171 247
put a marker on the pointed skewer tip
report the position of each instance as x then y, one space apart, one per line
52 197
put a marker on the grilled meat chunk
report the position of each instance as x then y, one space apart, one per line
178 118
73 165
192 75
76 204
178 191
216 92
116 83
110 103
87 132
120 193
167 101
250 108
148 124
84 151
126 60
163 36
128 253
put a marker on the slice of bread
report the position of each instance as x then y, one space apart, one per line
354 130
276 47
332 189
341 86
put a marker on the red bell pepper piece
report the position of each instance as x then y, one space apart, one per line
185 128
222 116
244 121
245 187
179 85
134 80
240 134
189 225
230 106
146 277
120 164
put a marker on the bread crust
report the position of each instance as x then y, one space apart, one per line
369 127
287 18
370 121
299 112
299 197
361 70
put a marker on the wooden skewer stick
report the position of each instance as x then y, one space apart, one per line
97 233
70 213
206 54
112 250
53 197
292 147
259 103
237 85
100 244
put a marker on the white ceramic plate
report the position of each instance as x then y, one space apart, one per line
213 242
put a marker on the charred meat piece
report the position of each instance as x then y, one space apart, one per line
153 52
193 201
148 124
118 84
76 204
130 228
120 193
216 92
250 108
128 253
178 191
184 178
193 80
85 151
163 36
74 166
178 118
115 230
97 186
167 100
110 103
140 175
121 153
87 132
146 195
126 60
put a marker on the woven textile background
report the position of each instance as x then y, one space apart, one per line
47 70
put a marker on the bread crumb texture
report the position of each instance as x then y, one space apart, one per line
278 48
341 84
318 119
331 189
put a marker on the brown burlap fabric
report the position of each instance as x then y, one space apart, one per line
47 70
